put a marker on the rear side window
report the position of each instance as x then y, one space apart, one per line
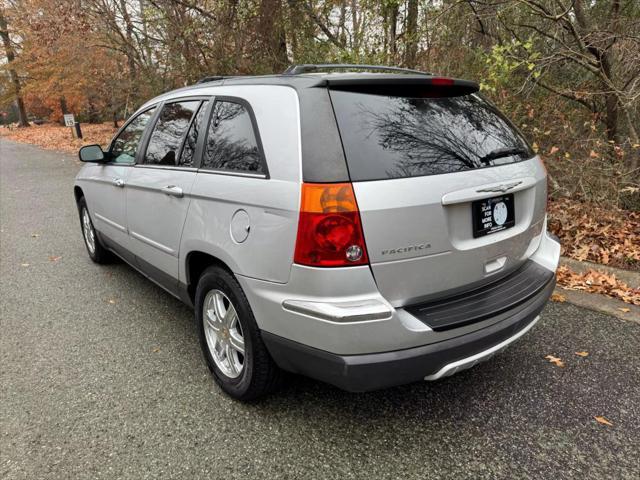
231 140
397 137
169 132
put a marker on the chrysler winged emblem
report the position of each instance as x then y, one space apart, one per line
505 187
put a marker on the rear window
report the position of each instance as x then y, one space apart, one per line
397 137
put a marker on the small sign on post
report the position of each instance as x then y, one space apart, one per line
69 121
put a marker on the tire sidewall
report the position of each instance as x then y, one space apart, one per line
217 278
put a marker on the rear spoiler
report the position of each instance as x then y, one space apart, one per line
415 86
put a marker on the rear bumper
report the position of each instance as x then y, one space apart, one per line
358 373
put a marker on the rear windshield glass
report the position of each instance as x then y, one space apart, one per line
397 137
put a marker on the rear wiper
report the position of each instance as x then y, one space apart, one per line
501 153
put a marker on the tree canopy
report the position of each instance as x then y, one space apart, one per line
567 71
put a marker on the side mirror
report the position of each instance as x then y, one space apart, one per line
91 153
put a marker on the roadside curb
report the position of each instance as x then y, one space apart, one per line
600 303
627 276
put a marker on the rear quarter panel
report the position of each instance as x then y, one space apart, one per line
270 203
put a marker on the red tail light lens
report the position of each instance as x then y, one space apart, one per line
442 81
329 230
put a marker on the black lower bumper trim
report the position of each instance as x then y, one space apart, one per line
485 302
359 373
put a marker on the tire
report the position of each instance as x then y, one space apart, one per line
244 376
96 251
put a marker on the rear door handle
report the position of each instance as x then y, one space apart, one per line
118 182
172 190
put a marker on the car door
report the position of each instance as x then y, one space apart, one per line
159 187
106 193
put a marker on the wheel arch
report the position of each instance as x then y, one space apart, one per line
196 262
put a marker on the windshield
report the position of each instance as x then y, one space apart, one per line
396 137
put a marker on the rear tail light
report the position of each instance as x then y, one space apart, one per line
329 230
442 81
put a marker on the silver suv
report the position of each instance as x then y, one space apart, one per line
364 229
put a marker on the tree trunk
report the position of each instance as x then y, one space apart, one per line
392 34
13 75
272 34
63 108
129 49
356 28
411 34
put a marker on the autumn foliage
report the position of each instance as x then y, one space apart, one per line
609 236
56 137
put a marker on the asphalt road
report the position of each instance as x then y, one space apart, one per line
102 378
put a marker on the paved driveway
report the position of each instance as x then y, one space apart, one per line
102 378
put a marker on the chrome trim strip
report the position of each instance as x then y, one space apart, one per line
110 222
157 245
232 173
168 167
469 362
357 311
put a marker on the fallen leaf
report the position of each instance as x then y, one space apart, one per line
112 301
553 150
555 360
54 258
624 310
557 297
603 421
156 349
582 354
35 235
24 264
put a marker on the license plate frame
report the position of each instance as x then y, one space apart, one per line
493 215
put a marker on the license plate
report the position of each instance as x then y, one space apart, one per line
493 215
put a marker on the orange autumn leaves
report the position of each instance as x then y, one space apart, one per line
56 137
608 236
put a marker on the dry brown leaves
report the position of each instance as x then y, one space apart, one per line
609 236
55 137
557 361
603 421
597 282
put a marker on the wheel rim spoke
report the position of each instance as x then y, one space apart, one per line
230 317
236 341
211 321
233 368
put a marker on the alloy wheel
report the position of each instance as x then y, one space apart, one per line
223 333
88 232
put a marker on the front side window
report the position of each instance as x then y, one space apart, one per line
125 146
231 142
168 133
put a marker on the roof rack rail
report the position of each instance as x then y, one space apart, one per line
312 67
211 78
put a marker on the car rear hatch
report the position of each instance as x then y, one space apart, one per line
450 194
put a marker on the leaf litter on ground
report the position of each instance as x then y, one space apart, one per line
593 281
